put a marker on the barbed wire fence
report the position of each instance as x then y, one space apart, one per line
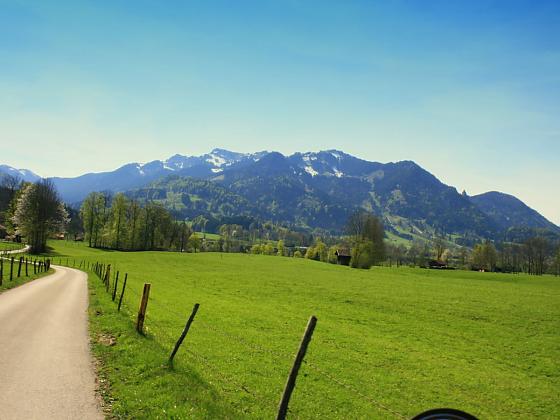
159 331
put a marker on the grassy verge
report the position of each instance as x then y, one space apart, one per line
18 281
138 383
407 339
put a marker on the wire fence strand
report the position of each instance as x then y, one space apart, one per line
353 389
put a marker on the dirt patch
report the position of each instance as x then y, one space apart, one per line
106 340
102 389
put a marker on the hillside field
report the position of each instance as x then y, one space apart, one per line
388 342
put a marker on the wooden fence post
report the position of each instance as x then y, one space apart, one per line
19 267
291 382
11 268
26 271
122 292
107 277
184 333
115 288
1 270
142 309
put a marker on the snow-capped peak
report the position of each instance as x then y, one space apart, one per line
24 174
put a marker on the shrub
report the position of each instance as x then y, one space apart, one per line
311 253
332 255
362 255
268 250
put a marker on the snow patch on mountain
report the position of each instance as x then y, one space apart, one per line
216 160
311 171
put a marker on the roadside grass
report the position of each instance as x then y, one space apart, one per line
18 281
136 381
406 339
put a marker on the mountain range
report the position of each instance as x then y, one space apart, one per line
313 190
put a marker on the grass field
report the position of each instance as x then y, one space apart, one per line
209 236
10 246
405 339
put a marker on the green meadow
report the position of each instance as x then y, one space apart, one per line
388 343
10 246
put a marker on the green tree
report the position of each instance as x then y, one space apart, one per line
118 219
535 251
185 234
281 248
556 263
321 250
331 257
298 254
133 224
366 229
39 212
91 219
362 255
439 248
484 256
256 249
194 242
311 253
268 249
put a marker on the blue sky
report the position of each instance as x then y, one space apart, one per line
470 90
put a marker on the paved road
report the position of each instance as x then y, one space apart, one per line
17 251
45 363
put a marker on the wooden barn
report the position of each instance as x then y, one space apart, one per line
343 256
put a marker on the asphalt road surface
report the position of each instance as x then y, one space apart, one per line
46 368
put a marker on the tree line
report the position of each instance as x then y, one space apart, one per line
536 255
120 223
